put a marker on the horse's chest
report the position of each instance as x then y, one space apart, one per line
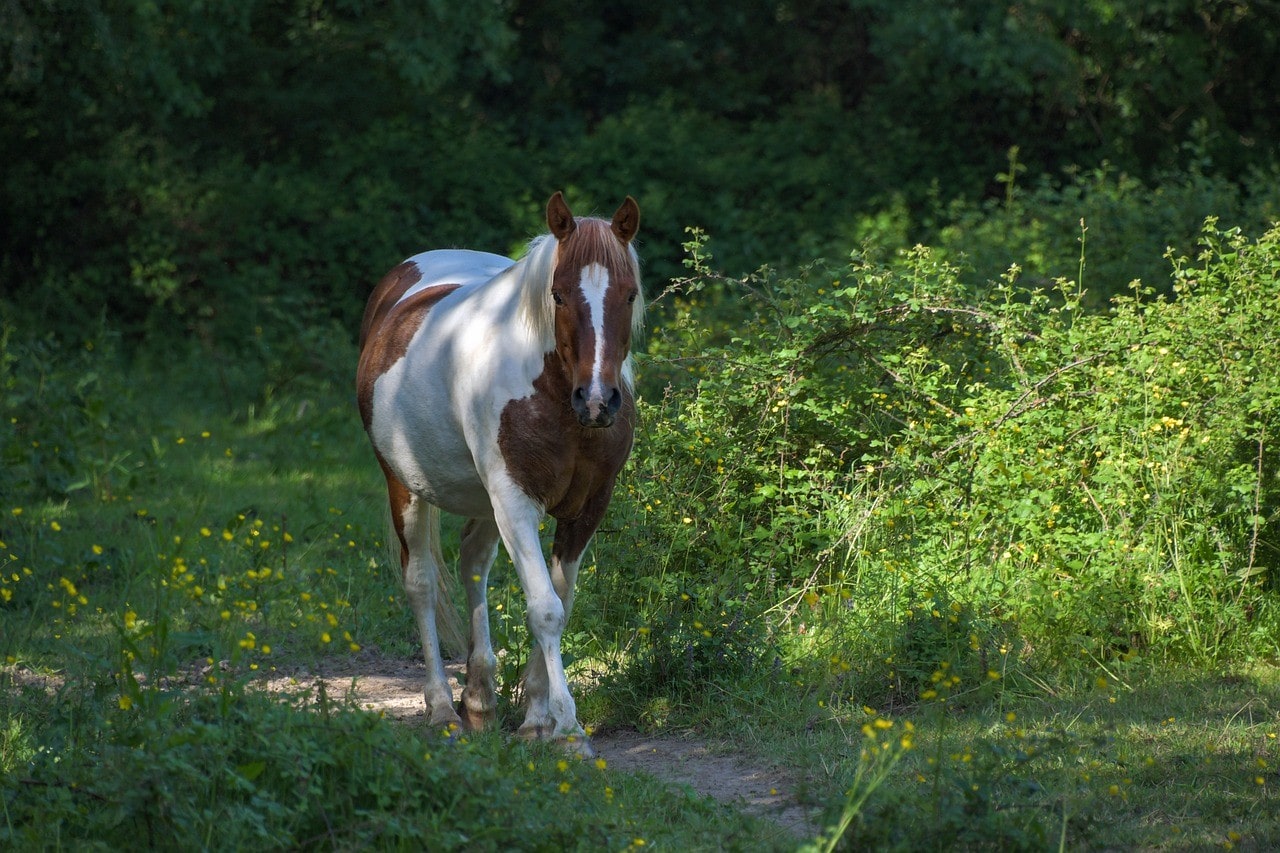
555 461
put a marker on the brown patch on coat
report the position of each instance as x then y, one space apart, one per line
399 497
567 468
387 294
389 326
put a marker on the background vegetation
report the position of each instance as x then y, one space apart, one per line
956 486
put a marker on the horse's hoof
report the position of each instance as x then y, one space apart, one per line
448 725
477 721
577 744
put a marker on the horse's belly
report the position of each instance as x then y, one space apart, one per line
438 476
461 496
427 453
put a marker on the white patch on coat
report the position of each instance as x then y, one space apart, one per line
594 283
454 266
435 411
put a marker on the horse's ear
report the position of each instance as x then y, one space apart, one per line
626 222
559 217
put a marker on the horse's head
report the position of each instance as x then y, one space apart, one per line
598 304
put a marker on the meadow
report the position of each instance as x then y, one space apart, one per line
981 570
954 495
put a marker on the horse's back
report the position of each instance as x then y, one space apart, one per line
452 267
463 267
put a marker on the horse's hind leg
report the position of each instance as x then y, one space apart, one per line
417 524
479 704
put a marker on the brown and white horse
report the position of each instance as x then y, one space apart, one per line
501 392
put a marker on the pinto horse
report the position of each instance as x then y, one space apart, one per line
501 391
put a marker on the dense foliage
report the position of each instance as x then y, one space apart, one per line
934 478
205 168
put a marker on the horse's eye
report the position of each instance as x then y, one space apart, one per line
555 295
631 298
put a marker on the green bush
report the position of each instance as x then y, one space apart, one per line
1128 225
873 445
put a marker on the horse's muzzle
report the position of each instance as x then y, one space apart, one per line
594 411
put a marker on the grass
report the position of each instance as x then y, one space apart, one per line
209 541
196 770
221 543
1164 763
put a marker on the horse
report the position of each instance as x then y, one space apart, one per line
502 392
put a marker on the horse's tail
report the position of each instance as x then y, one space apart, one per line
449 626
453 634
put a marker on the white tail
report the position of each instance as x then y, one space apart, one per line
453 634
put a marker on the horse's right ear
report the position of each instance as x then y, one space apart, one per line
626 222
559 218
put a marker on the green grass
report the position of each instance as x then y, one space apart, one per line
186 544
1157 762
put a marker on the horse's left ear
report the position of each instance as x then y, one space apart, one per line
626 222
559 218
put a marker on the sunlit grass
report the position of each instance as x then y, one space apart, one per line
218 529
228 545
226 550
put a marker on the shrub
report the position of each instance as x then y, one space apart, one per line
872 444
1131 223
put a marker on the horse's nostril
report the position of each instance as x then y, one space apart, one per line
593 410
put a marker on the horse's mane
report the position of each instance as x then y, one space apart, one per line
592 238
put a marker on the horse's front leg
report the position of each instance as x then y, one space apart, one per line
564 577
571 539
552 712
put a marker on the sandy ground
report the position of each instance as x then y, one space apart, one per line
394 687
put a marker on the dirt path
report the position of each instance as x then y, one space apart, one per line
394 687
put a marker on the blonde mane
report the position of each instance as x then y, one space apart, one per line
537 308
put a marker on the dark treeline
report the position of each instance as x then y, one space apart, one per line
207 167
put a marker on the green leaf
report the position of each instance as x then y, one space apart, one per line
252 770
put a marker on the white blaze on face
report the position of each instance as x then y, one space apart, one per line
594 281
